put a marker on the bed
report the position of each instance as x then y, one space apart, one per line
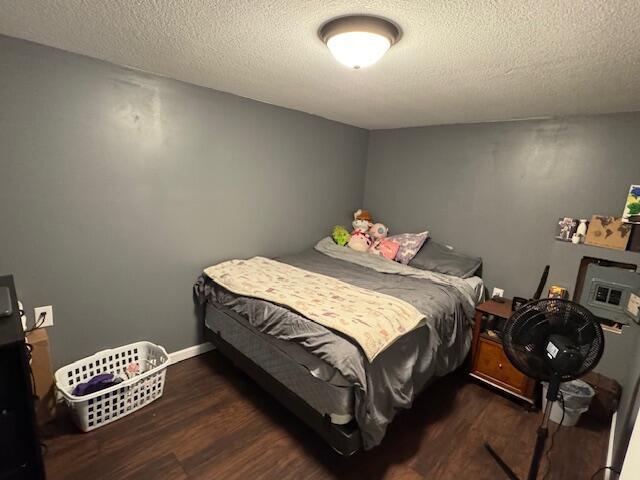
322 375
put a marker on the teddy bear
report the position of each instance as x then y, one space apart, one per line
362 221
360 239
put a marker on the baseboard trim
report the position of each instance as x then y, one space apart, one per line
612 434
190 352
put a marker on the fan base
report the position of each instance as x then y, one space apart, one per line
501 463
541 438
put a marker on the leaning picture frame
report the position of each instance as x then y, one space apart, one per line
631 212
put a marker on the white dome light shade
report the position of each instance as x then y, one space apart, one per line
359 41
358 49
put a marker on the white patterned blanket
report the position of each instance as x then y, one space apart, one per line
372 319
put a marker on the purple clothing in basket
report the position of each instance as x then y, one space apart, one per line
97 383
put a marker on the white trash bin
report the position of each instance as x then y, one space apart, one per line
577 396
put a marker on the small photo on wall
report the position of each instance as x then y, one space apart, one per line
566 227
632 207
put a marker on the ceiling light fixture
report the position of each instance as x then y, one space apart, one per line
359 41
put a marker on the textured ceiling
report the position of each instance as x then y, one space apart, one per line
458 61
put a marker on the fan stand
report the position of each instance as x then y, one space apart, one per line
541 437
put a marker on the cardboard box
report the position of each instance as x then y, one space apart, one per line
42 375
608 232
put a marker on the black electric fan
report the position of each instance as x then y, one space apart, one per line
554 340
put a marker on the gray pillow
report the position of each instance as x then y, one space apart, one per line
440 258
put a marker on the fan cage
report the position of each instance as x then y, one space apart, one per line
526 334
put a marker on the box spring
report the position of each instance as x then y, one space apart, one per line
313 400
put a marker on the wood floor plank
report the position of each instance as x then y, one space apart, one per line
214 422
165 467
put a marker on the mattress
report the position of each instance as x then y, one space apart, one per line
320 385
329 371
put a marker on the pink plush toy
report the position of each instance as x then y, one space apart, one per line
359 241
385 247
381 246
378 231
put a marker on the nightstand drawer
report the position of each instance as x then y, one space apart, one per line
492 362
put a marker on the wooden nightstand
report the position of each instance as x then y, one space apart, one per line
489 363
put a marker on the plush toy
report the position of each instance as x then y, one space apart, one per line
380 244
340 235
362 221
360 241
378 231
385 248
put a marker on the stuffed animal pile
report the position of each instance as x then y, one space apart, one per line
366 236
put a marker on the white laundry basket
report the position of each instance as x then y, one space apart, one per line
100 408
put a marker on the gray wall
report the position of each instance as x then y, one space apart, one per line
621 358
629 405
117 187
497 189
565 261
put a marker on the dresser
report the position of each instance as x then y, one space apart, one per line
20 456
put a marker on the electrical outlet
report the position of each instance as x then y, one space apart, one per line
497 292
48 318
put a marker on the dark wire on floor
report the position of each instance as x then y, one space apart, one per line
31 376
37 324
29 352
610 467
553 436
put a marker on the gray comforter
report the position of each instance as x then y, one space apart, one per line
394 378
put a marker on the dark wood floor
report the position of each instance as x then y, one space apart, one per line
213 422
